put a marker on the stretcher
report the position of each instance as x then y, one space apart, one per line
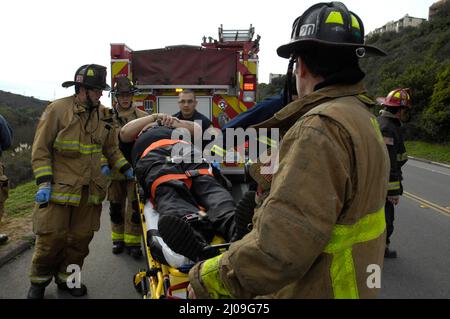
166 276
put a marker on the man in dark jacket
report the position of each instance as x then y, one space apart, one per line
390 120
187 103
261 111
5 142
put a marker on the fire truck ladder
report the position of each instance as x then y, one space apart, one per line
236 35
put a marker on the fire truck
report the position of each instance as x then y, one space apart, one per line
222 72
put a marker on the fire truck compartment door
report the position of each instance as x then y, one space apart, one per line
190 66
169 105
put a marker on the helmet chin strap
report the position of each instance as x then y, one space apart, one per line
89 101
288 83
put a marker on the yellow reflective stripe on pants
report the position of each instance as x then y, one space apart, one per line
61 198
402 157
394 186
117 236
62 277
95 199
132 239
40 279
343 275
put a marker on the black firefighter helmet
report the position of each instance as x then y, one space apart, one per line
91 76
330 26
123 85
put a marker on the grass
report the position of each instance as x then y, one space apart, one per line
432 152
21 200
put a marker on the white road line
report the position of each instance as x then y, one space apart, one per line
428 169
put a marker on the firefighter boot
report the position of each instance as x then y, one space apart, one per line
388 253
36 291
118 247
134 251
75 292
180 237
244 214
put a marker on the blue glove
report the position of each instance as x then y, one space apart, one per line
105 170
215 165
43 194
129 173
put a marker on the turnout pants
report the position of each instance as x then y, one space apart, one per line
206 193
124 213
389 213
63 234
4 188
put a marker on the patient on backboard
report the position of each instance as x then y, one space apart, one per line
192 204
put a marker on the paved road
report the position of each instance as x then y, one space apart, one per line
106 275
421 237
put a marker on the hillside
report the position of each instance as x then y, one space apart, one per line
419 58
22 113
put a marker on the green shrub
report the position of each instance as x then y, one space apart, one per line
17 164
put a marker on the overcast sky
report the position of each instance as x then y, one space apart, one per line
43 42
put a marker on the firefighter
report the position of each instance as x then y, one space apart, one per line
70 138
390 119
6 136
123 209
322 224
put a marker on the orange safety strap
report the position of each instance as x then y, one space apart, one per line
186 178
169 177
161 143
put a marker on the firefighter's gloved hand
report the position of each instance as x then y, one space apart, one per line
43 194
216 165
129 173
106 170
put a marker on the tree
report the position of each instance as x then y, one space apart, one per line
436 117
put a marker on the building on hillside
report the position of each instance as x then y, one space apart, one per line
396 26
437 7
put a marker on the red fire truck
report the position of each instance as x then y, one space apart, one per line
223 73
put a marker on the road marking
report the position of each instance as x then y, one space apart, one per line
422 201
428 169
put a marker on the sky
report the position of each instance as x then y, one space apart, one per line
44 42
